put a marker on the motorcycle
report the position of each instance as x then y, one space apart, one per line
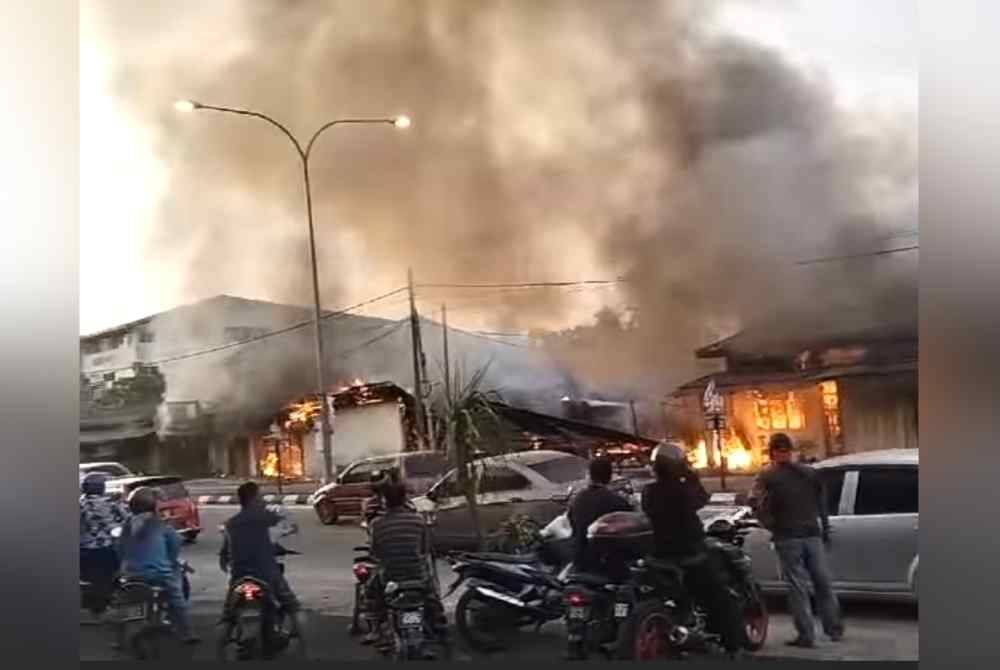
666 621
364 618
395 617
254 625
142 616
599 602
507 592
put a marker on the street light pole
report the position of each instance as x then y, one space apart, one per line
329 469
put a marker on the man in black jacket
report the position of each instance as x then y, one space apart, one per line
248 551
790 502
672 503
589 505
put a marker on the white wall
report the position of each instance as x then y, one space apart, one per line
359 432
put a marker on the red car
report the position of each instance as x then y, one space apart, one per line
176 507
346 496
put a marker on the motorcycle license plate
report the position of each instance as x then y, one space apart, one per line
132 613
578 613
621 610
412 618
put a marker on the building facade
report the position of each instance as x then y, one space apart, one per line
832 392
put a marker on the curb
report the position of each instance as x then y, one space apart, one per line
297 499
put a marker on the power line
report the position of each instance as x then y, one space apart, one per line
350 352
852 256
527 284
342 313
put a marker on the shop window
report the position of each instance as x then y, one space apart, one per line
779 411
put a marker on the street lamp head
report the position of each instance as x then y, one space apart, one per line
186 105
402 122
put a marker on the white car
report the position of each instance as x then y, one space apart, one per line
873 498
109 468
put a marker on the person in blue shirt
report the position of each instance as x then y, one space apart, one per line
151 553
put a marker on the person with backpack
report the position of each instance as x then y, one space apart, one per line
789 500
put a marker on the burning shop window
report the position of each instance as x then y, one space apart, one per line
782 411
290 464
831 409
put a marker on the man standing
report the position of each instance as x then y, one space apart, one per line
789 500
590 504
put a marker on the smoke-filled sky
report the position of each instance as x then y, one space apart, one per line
695 148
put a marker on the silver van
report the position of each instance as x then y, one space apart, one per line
873 499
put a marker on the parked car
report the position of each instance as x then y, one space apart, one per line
177 507
873 498
346 496
109 468
535 483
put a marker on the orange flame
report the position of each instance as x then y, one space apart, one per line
738 457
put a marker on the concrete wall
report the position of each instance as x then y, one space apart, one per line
359 432
879 412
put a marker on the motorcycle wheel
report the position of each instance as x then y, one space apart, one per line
643 636
755 619
147 645
480 630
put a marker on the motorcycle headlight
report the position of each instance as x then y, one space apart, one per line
391 588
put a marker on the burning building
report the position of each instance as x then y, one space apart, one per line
368 419
833 390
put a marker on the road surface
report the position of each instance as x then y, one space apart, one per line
323 580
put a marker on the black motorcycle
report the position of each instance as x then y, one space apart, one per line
365 616
141 615
254 625
505 592
667 621
600 601
409 629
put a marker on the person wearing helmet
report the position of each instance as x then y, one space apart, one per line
672 502
99 515
151 553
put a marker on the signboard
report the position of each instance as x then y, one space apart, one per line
712 401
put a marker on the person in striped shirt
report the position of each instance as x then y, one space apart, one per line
401 547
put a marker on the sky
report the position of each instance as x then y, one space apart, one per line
866 48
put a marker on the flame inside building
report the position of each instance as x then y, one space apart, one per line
738 457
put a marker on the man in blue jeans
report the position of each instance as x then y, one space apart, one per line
151 553
789 500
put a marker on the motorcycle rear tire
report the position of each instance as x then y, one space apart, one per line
755 619
634 625
471 633
147 645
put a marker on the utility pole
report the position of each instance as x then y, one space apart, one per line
418 393
447 359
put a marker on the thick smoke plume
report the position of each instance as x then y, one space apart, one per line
551 139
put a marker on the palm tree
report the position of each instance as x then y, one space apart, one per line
468 413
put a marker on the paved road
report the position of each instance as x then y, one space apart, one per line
323 580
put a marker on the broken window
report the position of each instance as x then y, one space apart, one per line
831 411
779 411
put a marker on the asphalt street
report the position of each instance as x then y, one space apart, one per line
323 580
